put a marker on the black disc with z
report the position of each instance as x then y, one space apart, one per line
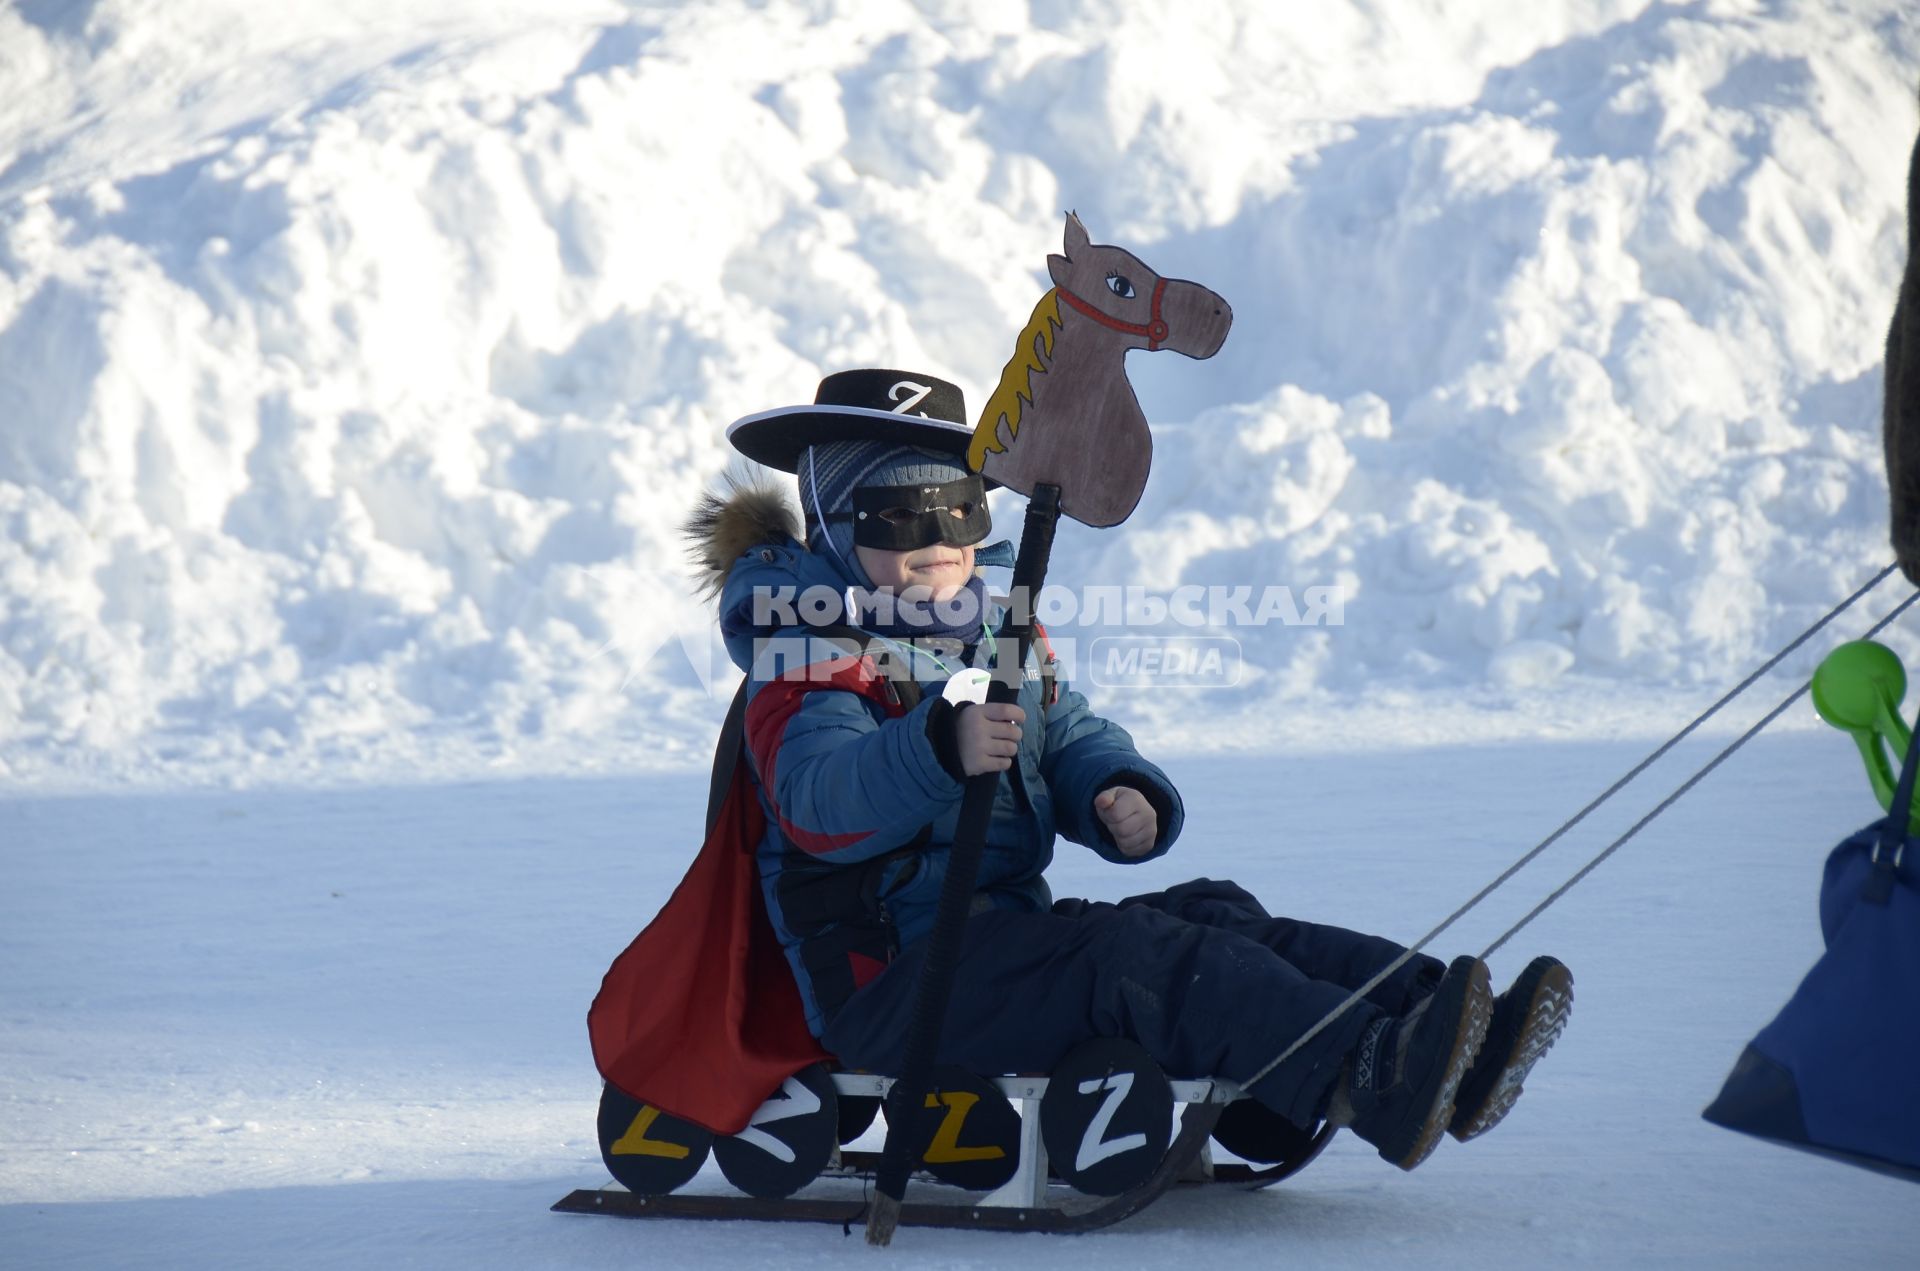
967 1134
646 1150
1107 1116
789 1140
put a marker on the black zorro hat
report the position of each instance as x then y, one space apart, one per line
901 407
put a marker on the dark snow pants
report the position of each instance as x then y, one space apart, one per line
1200 975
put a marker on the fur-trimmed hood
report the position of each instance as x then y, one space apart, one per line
745 543
725 527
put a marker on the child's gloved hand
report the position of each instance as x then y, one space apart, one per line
988 737
1129 818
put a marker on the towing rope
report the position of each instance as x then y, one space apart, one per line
1380 978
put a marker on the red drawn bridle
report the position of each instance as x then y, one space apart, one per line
1155 330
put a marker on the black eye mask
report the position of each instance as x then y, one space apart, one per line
904 518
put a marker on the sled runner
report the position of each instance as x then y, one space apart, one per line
1094 1144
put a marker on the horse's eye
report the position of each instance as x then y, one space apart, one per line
1119 286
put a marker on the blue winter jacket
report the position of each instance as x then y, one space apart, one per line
861 814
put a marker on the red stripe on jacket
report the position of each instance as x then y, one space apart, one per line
774 706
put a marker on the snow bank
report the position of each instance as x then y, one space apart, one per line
354 373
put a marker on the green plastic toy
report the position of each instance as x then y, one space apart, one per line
1858 688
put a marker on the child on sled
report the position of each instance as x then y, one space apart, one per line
859 780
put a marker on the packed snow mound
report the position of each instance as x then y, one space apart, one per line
354 379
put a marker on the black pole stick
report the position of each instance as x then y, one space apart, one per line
963 869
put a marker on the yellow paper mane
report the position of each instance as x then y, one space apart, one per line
1030 357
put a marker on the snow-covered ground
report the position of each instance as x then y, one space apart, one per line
346 1028
359 360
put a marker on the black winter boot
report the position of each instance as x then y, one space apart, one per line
1397 1089
1527 1019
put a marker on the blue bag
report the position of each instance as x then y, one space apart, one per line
1834 1073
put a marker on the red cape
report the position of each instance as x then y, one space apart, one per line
700 1016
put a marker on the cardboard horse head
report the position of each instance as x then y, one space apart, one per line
1064 413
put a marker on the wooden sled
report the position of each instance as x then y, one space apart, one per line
967 1141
